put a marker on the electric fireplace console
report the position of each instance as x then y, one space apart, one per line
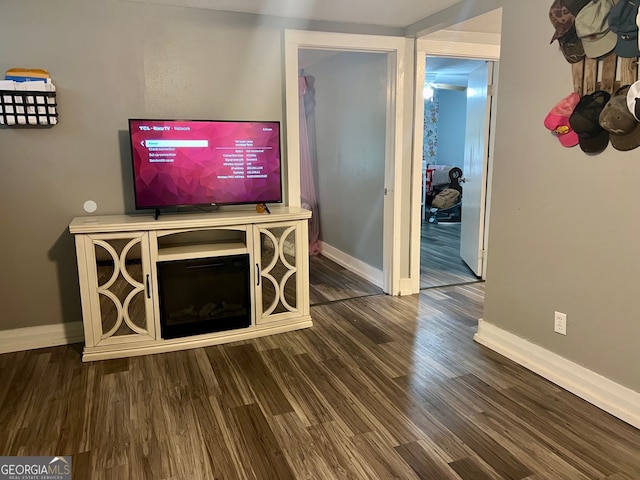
190 280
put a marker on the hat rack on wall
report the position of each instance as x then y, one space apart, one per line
614 72
599 38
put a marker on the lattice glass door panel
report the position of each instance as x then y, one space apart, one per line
278 264
121 298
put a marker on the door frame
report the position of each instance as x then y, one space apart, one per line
467 45
394 47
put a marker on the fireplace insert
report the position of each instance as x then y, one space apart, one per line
204 295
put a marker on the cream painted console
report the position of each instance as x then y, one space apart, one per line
118 259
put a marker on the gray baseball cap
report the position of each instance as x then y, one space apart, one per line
592 26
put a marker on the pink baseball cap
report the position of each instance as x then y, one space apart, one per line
557 120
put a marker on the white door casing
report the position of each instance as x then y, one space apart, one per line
460 45
394 47
476 156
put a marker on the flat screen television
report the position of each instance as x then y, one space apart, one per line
180 163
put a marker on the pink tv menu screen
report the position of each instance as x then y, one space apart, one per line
179 163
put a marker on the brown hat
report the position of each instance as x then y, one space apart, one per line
622 126
561 18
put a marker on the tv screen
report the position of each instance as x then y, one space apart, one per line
205 162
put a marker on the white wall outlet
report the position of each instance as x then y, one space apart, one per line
560 323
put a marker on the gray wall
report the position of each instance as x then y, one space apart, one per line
351 104
451 127
113 60
565 226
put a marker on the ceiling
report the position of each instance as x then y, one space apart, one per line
446 70
490 22
396 13
451 71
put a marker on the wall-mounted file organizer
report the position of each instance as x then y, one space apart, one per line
28 108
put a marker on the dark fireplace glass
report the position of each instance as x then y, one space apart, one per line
204 295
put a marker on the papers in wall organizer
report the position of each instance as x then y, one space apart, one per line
28 102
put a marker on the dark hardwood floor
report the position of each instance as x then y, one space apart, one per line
380 387
440 265
329 281
440 262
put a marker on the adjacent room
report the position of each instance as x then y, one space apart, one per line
445 119
343 132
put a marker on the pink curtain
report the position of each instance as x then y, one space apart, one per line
306 103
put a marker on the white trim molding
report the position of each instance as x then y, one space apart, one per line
30 338
394 48
445 43
613 398
364 270
463 37
448 49
407 287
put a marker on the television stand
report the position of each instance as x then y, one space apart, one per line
206 208
120 256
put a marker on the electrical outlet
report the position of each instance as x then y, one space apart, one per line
560 323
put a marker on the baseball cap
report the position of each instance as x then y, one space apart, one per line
561 18
633 100
622 21
571 46
557 120
585 121
574 6
616 118
592 27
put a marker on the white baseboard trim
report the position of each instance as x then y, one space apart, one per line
407 287
29 338
352 264
611 397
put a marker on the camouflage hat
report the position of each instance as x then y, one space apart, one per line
616 118
561 18
571 46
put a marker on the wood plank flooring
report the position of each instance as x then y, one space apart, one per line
329 282
440 262
440 265
381 387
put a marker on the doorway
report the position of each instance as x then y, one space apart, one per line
448 45
343 102
443 169
388 190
